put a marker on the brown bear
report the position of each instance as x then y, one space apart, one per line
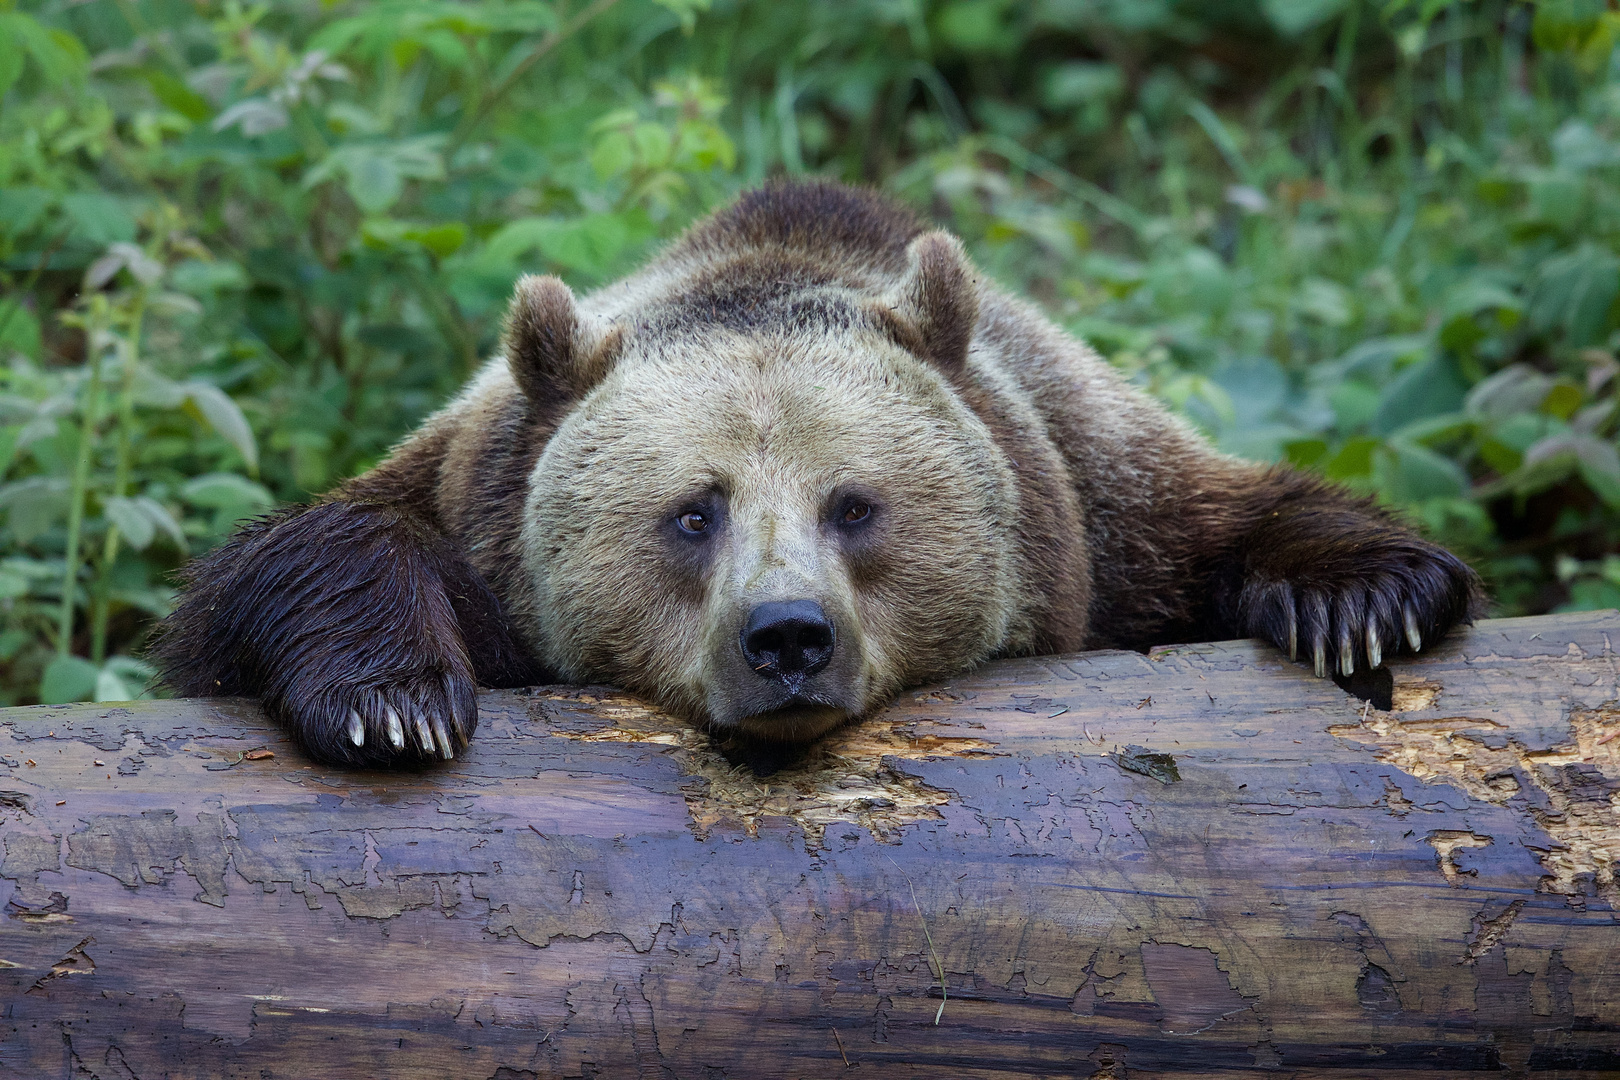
805 458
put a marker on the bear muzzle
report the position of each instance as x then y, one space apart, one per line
788 642
789 674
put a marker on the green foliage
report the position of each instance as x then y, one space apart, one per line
246 247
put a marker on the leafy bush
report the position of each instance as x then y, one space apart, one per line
247 247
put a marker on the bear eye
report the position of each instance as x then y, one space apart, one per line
857 512
692 522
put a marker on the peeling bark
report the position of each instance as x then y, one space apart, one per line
1317 887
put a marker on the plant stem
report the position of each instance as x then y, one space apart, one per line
935 962
81 481
542 48
126 427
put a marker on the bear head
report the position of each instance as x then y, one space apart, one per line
765 504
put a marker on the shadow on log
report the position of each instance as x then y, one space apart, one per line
1203 862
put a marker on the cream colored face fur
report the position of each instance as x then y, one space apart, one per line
771 433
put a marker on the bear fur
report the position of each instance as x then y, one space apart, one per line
807 457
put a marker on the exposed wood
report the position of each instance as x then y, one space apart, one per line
1327 889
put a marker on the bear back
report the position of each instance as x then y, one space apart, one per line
812 218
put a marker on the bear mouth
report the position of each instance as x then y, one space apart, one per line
798 718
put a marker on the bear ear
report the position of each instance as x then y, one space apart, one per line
938 299
555 353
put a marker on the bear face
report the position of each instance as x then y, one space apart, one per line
771 529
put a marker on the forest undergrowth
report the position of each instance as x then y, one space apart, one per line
245 247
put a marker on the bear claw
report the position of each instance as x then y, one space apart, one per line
382 724
424 734
1339 629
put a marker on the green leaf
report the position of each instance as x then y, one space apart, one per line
138 530
203 279
1563 24
254 116
974 26
212 405
1432 387
374 182
178 96
21 208
1523 430
141 518
34 505
653 144
98 219
593 243
1374 357
686 11
1257 385
68 678
1562 401
1412 473
1591 594
12 641
1294 17
1517 388
1432 429
375 172
1354 402
1597 460
12 585
1305 453
59 57
218 491
122 678
1499 457
1355 458
1081 82
21 332
1577 146
12 56
1575 294
443 239
1553 459
109 687
1326 301
612 154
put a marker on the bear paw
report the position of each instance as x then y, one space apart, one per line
426 718
1399 601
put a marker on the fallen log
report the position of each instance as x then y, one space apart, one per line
1200 862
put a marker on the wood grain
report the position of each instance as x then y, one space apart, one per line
1328 889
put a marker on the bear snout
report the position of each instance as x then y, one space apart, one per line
788 642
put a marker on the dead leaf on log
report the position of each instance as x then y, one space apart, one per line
1139 759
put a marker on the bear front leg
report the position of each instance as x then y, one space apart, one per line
352 622
1332 578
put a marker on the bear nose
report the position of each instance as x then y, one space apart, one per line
788 641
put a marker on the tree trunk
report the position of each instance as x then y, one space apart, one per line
1203 862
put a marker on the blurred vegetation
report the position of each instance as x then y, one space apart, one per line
245 247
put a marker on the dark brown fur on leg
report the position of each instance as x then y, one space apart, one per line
1332 579
345 617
